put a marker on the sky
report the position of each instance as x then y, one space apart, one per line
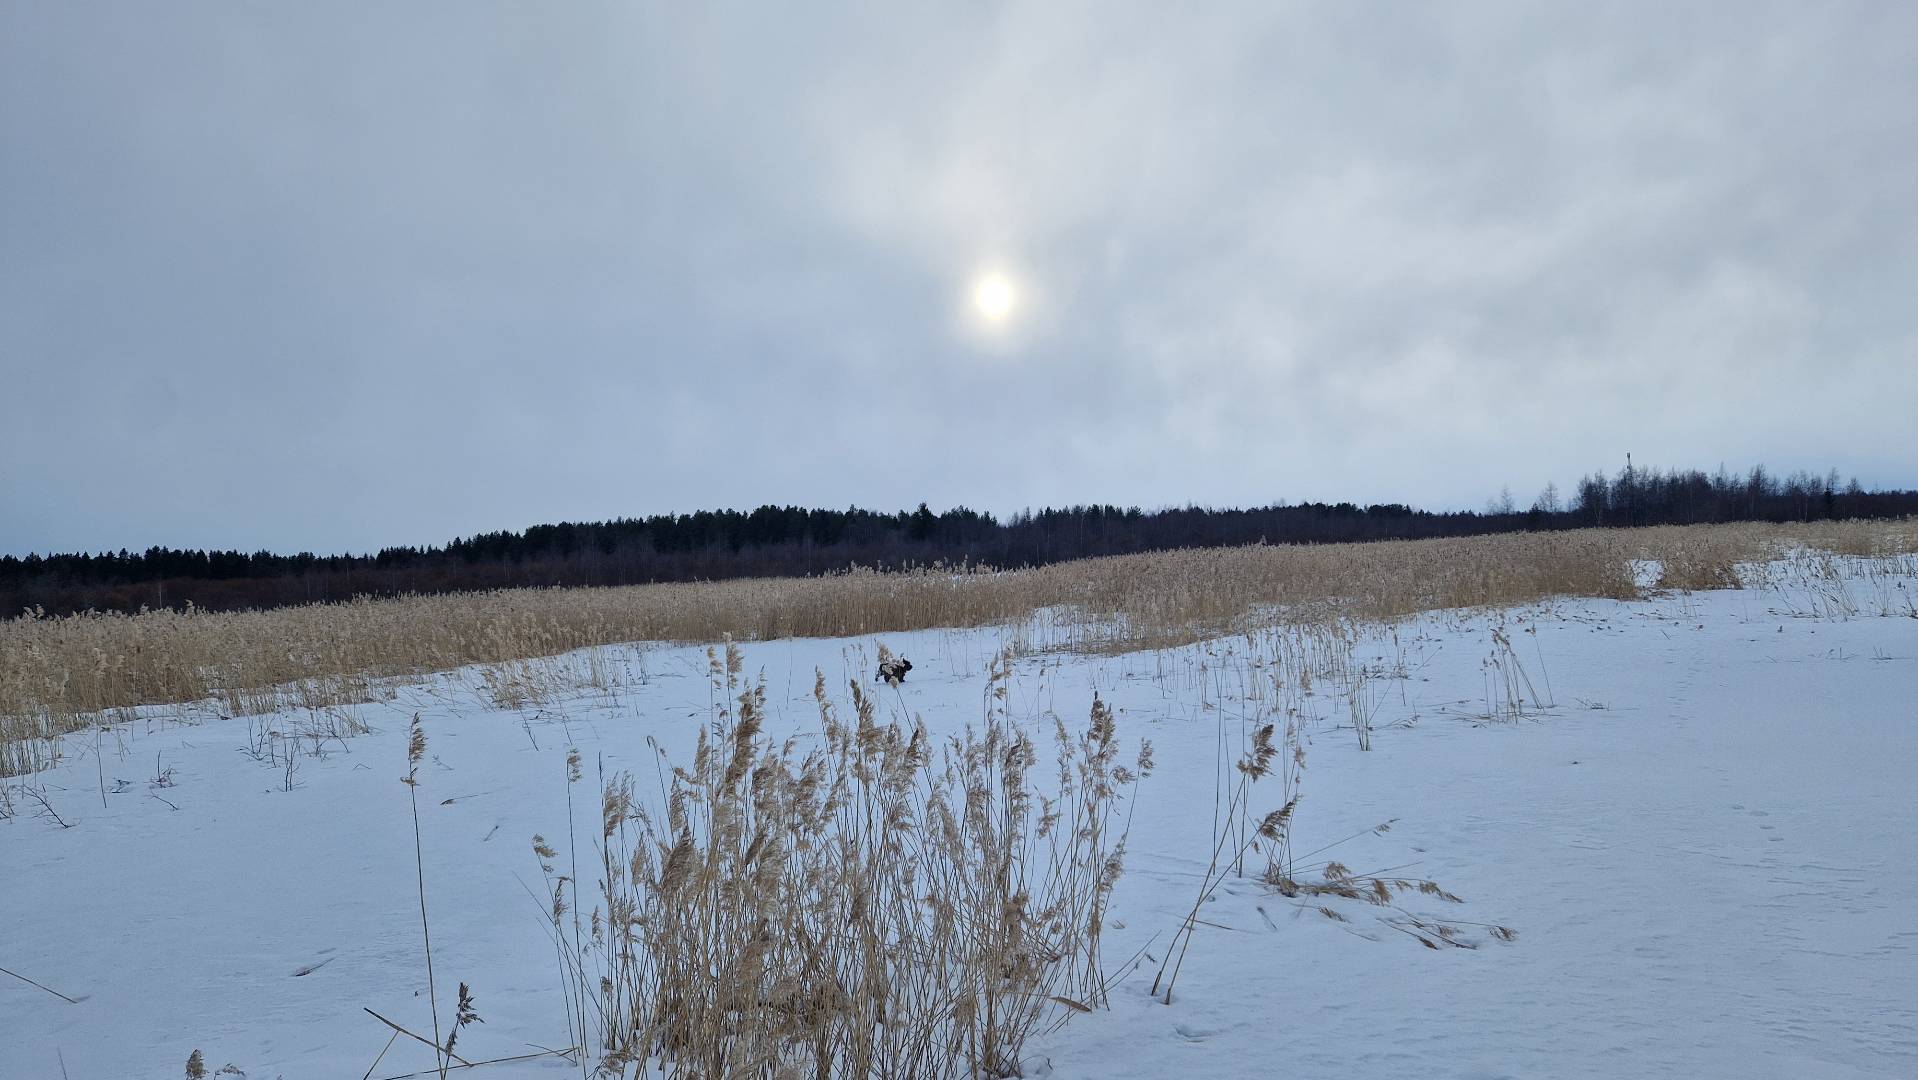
336 276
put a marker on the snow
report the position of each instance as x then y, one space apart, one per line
1706 850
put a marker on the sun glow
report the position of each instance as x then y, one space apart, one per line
994 298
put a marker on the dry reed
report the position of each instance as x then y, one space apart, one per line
863 902
63 674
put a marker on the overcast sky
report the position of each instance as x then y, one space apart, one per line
331 276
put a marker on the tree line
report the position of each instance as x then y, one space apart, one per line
790 540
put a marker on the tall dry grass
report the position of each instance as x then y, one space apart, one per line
866 901
60 674
1720 556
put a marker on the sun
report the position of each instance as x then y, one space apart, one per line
994 298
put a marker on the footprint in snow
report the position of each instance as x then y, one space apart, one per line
311 968
1192 1034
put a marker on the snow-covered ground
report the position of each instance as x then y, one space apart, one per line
1708 850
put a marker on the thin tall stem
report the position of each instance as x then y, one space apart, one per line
426 933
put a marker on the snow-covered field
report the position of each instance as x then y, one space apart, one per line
1707 847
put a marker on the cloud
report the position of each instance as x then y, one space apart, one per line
351 275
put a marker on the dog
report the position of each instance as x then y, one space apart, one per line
893 672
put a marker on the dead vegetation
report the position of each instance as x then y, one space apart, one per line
62 674
861 901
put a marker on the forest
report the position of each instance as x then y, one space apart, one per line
789 541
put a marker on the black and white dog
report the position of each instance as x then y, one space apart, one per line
893 671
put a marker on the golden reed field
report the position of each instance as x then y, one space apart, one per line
62 674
